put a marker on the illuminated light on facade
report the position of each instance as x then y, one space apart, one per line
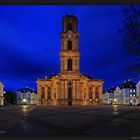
24 100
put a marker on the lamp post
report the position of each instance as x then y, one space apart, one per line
97 101
24 101
115 101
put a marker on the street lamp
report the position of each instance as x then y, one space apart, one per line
24 101
96 100
115 101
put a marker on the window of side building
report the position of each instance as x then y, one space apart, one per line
43 93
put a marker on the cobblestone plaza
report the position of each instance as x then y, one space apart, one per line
98 120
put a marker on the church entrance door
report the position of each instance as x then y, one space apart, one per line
70 96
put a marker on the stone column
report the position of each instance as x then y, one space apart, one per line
77 64
56 94
39 94
93 90
46 92
81 92
61 90
77 90
73 89
66 89
86 92
65 44
100 95
73 63
61 64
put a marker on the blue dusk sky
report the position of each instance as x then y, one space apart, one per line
30 43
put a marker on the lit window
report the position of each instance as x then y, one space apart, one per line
131 90
134 90
134 95
130 95
131 101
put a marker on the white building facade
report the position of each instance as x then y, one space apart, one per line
138 92
108 96
26 96
118 96
1 94
127 93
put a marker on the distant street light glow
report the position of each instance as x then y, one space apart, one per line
24 100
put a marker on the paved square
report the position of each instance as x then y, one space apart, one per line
102 120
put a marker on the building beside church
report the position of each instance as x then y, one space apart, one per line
1 94
125 94
108 96
26 96
69 87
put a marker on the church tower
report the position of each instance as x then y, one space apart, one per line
69 55
69 87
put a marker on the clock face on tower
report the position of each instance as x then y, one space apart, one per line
69 36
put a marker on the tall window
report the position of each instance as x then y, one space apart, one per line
43 93
90 93
70 26
69 64
70 90
96 93
69 45
49 93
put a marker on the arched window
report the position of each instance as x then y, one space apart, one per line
96 93
90 93
134 101
69 45
42 93
49 93
70 93
70 83
70 26
69 64
70 90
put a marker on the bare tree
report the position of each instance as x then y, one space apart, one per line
130 33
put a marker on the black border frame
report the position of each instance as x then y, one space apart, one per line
68 2
57 3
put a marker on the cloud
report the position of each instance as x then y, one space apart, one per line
30 42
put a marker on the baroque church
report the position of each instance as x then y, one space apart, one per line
69 87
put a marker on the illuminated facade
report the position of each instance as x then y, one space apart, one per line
1 94
26 96
69 87
125 94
